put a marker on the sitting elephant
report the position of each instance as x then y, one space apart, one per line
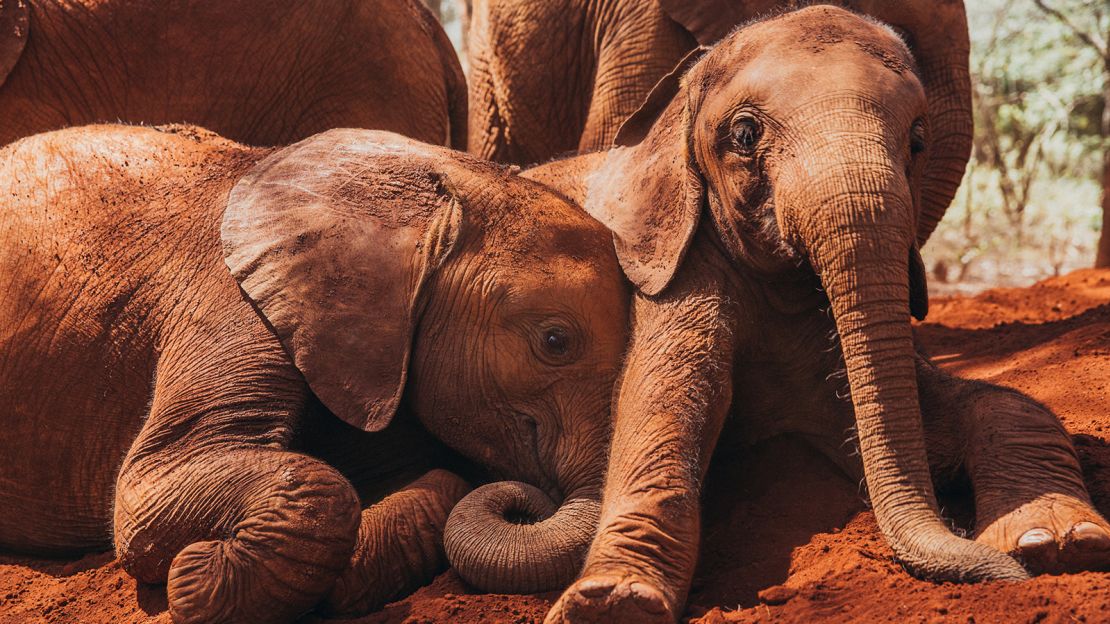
767 202
176 303
262 72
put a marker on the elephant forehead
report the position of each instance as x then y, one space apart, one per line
811 40
819 29
785 76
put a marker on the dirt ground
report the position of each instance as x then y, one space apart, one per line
787 537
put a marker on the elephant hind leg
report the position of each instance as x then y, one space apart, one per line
1030 498
238 534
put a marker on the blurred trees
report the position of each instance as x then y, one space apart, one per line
1030 204
1089 23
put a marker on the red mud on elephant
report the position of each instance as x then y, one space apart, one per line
794 541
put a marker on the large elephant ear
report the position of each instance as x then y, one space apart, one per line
15 22
333 255
649 191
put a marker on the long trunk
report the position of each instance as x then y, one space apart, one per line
638 45
509 537
861 259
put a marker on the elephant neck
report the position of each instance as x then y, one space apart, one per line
788 319
786 289
569 176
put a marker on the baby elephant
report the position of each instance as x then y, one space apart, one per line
175 304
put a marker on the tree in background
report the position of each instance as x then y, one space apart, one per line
1088 23
1029 206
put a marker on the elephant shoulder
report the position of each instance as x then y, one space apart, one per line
15 23
134 181
108 154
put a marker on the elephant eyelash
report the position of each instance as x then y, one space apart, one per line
745 133
726 133
537 332
918 141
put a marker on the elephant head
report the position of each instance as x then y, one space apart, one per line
607 59
396 273
804 142
937 35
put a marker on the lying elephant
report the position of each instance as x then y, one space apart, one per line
173 302
263 72
767 205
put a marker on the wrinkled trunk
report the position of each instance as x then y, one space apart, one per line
510 537
859 249
515 117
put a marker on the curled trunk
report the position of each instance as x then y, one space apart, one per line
510 537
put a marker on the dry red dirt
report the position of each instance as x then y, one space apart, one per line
787 537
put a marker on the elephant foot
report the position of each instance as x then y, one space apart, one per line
611 599
1053 534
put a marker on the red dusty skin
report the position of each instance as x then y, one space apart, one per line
786 535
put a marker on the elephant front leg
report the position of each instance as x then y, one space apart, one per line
246 534
400 544
1030 498
671 403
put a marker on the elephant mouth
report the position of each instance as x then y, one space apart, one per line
541 474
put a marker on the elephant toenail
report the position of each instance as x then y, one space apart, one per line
648 598
595 589
1090 536
1036 538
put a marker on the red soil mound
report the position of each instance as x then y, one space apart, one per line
787 537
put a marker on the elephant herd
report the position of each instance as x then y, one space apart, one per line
264 332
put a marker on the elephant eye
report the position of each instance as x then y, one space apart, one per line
917 137
746 132
556 341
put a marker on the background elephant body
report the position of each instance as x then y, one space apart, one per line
260 72
181 308
600 60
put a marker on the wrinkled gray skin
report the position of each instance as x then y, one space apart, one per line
261 72
183 315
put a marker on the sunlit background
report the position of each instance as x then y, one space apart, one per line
1031 203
